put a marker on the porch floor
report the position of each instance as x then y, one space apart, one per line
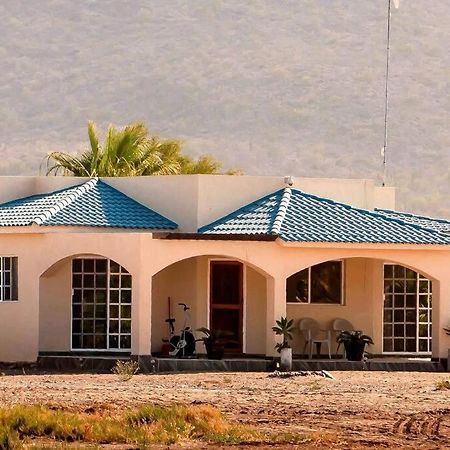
149 364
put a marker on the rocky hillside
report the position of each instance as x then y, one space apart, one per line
269 87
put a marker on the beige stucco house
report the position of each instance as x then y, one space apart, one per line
89 265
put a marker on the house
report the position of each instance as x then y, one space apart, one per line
87 265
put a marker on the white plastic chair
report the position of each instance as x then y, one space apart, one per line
312 334
338 326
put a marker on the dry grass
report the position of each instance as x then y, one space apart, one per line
443 385
142 427
125 369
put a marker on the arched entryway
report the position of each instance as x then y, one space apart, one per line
388 301
85 305
222 292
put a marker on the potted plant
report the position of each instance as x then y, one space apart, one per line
284 328
215 341
354 343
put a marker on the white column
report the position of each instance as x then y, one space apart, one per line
141 315
276 308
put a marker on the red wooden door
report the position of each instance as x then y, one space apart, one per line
226 301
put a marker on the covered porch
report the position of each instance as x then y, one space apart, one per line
89 304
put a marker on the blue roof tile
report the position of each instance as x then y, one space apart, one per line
431 223
93 203
299 217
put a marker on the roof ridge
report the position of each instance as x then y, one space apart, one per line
372 213
282 209
240 208
66 201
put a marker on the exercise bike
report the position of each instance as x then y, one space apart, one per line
183 344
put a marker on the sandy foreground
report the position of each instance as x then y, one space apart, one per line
356 410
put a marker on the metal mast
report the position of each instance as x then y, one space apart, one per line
386 93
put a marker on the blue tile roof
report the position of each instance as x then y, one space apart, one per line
93 203
431 223
296 216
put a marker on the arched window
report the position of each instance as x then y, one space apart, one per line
322 283
101 305
407 311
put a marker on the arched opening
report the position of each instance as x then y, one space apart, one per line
85 305
389 301
222 292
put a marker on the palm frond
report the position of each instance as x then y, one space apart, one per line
129 151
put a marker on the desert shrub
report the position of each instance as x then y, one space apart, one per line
125 369
8 439
443 385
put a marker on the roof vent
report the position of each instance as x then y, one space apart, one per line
288 180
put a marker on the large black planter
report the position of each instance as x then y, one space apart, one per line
214 350
354 350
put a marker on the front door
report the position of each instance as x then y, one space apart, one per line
226 301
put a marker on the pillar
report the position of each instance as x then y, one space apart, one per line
276 308
141 315
441 317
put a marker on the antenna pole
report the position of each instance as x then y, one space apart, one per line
386 96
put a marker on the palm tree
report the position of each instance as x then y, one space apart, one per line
129 151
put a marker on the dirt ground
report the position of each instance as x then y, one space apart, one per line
355 410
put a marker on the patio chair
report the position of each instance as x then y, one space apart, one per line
313 335
341 325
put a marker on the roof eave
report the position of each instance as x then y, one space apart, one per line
217 236
365 245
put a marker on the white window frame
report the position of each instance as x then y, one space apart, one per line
12 280
419 277
341 303
108 292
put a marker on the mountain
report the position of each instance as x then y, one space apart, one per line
291 87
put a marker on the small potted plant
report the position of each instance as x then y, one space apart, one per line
214 341
284 328
355 343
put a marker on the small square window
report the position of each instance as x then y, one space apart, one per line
88 265
388 271
113 326
125 282
100 341
114 281
125 342
125 296
100 265
76 341
387 345
113 341
125 326
125 311
77 265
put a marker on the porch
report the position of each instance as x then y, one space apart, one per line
87 304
